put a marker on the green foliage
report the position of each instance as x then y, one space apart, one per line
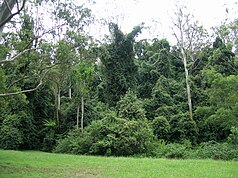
132 94
75 16
161 127
18 125
117 64
168 98
176 150
222 59
49 130
3 103
206 150
214 150
183 128
10 136
216 119
3 80
233 137
154 61
222 90
83 74
110 136
130 107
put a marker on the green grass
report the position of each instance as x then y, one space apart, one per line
40 164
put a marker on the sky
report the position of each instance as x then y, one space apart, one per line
158 13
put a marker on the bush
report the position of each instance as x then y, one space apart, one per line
161 127
110 136
10 135
130 107
207 150
67 144
174 150
214 150
233 137
182 128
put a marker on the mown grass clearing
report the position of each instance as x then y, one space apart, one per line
40 164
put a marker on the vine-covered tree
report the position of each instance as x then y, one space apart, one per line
118 67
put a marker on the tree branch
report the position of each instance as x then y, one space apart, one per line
24 91
12 15
17 5
28 90
15 57
9 8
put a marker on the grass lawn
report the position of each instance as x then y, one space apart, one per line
39 164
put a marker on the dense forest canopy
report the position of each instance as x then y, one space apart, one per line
62 90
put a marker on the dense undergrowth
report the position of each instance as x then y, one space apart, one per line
104 138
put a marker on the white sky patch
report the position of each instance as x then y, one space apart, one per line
158 13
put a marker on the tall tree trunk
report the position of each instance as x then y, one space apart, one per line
77 117
70 91
82 112
58 107
187 83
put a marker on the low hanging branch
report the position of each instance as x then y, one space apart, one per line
28 90
24 91
15 57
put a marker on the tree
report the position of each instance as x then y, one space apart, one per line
117 63
83 75
228 31
153 61
130 107
220 113
63 59
223 59
72 17
21 44
182 128
190 38
168 98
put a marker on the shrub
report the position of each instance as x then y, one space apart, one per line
182 128
110 136
161 127
10 136
206 150
214 150
130 107
174 150
67 144
233 137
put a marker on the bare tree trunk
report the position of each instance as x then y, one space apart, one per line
77 117
58 106
190 37
70 93
82 112
70 90
187 83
